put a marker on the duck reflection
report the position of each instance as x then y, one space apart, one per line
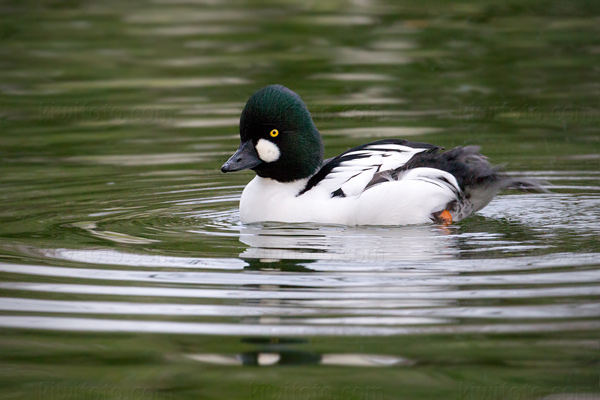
288 357
309 248
370 245
332 252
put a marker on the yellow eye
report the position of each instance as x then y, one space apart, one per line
274 133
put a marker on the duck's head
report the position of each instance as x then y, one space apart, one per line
278 137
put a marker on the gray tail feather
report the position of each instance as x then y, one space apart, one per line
482 192
525 185
479 180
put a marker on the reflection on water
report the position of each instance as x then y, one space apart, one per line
375 246
122 254
302 358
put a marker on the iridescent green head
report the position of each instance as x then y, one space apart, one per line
279 139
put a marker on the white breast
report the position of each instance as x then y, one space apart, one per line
265 199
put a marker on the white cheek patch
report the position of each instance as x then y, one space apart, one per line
267 151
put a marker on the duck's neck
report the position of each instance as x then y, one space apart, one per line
268 186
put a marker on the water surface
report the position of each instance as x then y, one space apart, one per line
124 269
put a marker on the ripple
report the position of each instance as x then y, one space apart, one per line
335 20
349 56
269 294
353 77
189 328
412 279
382 131
112 257
206 123
152 83
191 30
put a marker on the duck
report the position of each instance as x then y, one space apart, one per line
382 183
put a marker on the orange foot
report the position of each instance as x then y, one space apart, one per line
445 217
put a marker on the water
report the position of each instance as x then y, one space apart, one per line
126 274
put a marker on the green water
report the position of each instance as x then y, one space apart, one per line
124 270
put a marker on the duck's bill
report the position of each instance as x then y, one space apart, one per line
244 158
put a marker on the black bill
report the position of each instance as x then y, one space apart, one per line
245 157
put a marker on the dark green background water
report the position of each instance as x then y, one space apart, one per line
124 270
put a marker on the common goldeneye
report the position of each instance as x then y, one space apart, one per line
387 182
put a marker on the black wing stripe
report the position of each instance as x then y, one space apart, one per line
338 193
332 163
327 168
354 176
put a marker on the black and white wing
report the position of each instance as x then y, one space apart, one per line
351 172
